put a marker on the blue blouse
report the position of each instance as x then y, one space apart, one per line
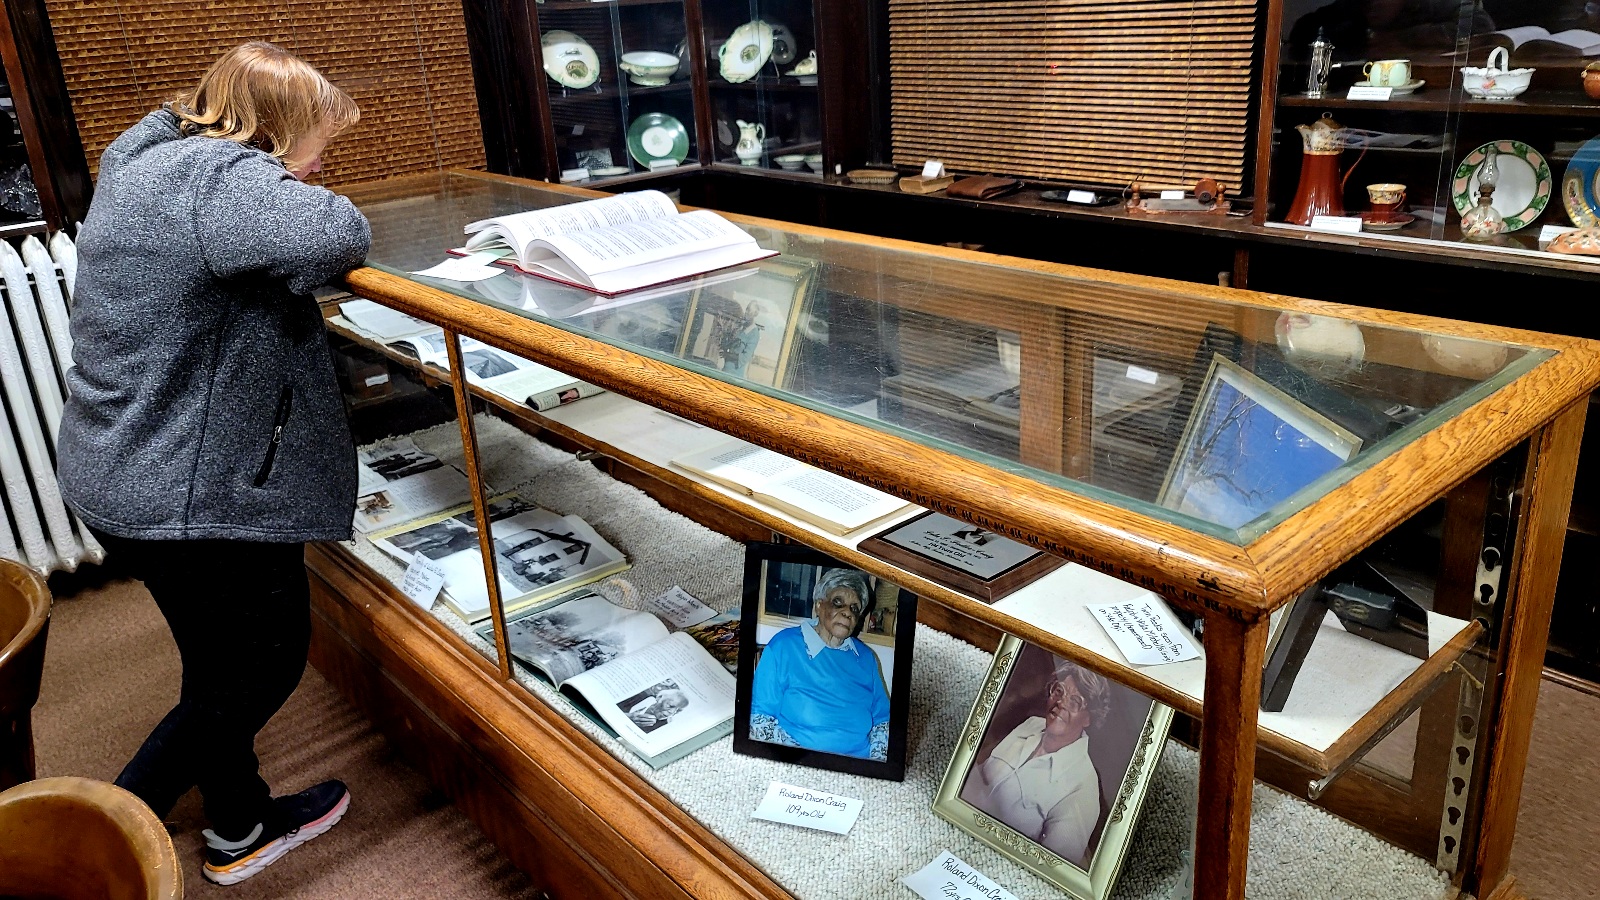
826 698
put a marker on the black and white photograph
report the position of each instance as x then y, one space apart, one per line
655 706
436 540
486 363
577 636
825 654
533 557
398 461
1049 752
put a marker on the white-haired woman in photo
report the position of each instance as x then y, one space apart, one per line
1040 779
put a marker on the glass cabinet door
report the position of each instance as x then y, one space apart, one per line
762 77
620 86
1399 112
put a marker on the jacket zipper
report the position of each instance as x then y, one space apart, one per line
285 402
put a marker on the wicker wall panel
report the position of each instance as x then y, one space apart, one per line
1093 91
405 63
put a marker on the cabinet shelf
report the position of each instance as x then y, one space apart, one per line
1572 103
786 83
613 92
565 5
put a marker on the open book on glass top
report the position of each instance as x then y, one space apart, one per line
616 244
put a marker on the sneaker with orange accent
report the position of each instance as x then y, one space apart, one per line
303 816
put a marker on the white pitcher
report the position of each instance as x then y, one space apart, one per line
752 138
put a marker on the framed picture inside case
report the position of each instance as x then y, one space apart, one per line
824 675
746 326
1053 767
1247 447
961 555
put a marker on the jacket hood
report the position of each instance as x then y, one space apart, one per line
157 128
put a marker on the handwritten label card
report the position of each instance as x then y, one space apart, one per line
933 169
1342 224
679 608
1080 196
423 580
1146 632
1551 232
1370 93
808 808
949 878
1172 195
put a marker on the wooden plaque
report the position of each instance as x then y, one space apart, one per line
998 566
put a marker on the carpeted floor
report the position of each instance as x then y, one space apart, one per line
401 840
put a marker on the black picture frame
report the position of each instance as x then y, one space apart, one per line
765 565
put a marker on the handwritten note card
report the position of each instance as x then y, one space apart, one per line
422 581
1363 92
1343 224
679 608
808 808
1080 196
949 878
1146 632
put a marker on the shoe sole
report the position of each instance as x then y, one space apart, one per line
270 854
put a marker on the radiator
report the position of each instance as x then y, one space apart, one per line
36 527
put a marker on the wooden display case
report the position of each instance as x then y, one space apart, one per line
1460 490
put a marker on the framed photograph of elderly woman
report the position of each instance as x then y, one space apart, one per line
824 674
1053 767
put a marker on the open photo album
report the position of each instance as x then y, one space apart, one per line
398 482
538 554
661 694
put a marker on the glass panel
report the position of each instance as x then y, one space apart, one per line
415 496
1220 415
763 83
621 96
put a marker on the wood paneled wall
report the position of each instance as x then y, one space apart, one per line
405 63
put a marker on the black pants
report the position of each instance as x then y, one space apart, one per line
240 612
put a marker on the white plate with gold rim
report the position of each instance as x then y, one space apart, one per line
744 53
569 60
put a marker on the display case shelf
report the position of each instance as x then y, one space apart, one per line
1533 103
569 5
614 93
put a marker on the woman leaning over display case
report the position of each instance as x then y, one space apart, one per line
205 438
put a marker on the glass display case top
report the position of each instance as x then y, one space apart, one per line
1187 404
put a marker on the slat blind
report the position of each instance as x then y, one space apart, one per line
1094 91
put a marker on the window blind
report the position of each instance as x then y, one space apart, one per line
1093 91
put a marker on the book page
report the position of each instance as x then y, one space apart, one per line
739 464
412 497
1586 43
529 380
520 229
823 495
535 557
590 253
1521 35
570 638
660 696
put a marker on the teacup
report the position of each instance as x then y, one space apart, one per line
1387 200
1388 72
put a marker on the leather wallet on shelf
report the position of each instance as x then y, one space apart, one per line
982 187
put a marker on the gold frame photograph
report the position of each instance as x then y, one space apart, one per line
720 318
980 790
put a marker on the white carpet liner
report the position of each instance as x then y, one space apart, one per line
1297 850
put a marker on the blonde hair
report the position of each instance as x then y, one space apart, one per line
262 95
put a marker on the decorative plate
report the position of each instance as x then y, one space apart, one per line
743 54
657 136
1410 87
784 49
1580 186
1525 183
569 60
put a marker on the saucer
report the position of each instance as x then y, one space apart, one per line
1410 87
608 171
1368 223
569 60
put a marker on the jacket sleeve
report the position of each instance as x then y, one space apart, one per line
254 218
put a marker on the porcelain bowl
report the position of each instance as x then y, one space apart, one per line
791 162
814 162
649 67
1494 84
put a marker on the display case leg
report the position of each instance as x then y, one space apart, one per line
1549 478
1234 655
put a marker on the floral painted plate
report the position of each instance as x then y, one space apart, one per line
1580 186
1525 183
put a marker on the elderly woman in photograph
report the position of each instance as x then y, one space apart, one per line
1039 779
817 686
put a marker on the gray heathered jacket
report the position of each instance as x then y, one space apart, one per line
203 400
